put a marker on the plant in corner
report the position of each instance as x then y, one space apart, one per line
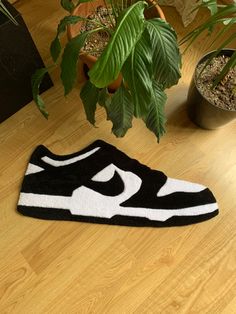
212 93
142 51
6 13
19 58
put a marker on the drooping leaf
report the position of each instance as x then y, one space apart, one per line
89 95
137 72
70 59
55 47
130 26
67 5
120 111
104 100
155 120
36 81
68 20
103 97
166 55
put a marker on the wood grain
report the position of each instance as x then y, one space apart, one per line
70 267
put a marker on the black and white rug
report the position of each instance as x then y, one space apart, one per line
100 184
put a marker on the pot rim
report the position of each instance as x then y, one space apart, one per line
201 60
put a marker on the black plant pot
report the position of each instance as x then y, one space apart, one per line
19 58
201 111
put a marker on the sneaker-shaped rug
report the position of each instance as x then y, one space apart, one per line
100 184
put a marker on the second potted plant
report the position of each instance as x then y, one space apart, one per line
212 94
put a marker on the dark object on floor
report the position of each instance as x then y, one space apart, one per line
19 58
201 110
101 184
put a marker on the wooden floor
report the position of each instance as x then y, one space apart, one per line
71 267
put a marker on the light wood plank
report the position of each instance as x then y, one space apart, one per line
70 267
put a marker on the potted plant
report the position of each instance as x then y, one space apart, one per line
141 51
212 94
19 58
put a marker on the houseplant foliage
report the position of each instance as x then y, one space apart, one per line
144 51
5 12
19 58
220 14
211 96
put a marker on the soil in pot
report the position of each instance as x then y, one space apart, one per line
96 42
224 94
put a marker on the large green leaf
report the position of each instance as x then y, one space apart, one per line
166 55
155 120
36 81
129 29
120 111
55 47
137 72
89 95
70 59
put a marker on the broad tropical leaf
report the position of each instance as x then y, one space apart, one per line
155 120
89 95
120 111
55 47
166 55
130 26
36 81
70 59
137 72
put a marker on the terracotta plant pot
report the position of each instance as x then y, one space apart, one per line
203 112
85 9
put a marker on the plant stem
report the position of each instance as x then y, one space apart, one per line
96 22
113 10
